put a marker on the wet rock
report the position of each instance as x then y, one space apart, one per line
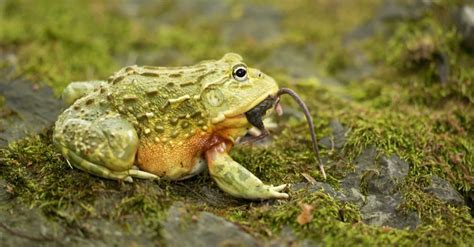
287 238
203 229
392 171
214 196
28 227
381 210
27 109
381 205
338 138
464 20
377 211
350 187
351 184
325 187
383 201
394 168
353 196
318 186
366 160
4 195
442 190
100 232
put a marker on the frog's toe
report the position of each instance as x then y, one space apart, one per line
142 174
277 195
280 187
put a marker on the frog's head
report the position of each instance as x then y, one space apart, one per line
236 89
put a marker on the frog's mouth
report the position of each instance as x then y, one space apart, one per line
254 116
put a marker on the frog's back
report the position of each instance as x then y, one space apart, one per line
160 99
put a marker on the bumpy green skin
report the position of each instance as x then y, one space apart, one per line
151 122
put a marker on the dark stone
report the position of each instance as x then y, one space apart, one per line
366 160
299 186
287 238
318 186
100 232
392 171
212 195
325 187
350 187
442 190
380 206
393 167
27 227
27 109
204 229
4 195
382 210
338 138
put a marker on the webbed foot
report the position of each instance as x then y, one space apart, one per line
236 180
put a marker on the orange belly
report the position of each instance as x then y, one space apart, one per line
171 161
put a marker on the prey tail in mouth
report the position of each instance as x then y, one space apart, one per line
254 116
309 119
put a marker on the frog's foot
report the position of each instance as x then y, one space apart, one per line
102 171
105 148
76 90
234 179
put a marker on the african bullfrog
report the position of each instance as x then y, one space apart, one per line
166 122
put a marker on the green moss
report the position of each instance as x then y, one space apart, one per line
38 176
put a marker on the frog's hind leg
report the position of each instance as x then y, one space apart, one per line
92 168
234 179
105 147
104 172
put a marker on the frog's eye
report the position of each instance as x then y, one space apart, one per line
240 72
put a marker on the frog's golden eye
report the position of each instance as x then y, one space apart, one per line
240 72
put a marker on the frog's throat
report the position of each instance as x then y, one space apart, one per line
240 111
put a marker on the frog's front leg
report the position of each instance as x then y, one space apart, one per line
234 179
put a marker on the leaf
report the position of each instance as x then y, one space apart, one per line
306 214
308 178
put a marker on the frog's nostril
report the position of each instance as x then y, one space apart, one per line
260 74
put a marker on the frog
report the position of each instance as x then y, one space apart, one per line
152 122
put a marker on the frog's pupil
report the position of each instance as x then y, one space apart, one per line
240 73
